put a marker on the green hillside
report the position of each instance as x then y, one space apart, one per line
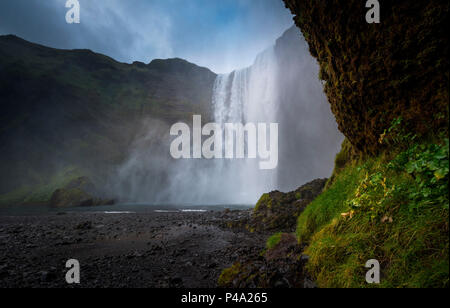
67 114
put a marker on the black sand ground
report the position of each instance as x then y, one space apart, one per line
122 250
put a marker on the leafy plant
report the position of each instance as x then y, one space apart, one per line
428 164
397 134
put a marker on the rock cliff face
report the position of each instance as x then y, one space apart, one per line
375 73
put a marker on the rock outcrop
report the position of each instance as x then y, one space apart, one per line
277 211
375 73
79 192
280 266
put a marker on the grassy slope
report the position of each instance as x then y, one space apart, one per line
393 208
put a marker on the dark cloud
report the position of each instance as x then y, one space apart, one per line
222 35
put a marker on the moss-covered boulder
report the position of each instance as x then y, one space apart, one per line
375 73
281 266
277 211
79 192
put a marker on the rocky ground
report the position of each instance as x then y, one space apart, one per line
192 250
123 250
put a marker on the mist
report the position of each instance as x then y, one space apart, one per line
282 86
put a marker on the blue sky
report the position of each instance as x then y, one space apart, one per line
222 35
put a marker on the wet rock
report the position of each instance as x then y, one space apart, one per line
176 281
47 276
87 225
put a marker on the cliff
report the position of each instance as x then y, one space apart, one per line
375 73
388 198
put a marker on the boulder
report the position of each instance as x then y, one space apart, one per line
79 192
277 211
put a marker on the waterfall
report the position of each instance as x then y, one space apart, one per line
247 95
282 86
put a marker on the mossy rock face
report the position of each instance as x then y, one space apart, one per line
280 267
375 73
79 192
277 211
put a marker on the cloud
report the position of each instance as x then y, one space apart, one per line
221 35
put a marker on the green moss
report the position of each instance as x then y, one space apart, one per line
273 240
328 205
344 156
41 192
392 210
264 200
229 274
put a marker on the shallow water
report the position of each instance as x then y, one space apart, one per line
125 208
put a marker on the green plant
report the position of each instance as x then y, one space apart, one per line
273 240
428 164
397 135
228 274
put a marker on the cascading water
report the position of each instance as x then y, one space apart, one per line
247 95
282 86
